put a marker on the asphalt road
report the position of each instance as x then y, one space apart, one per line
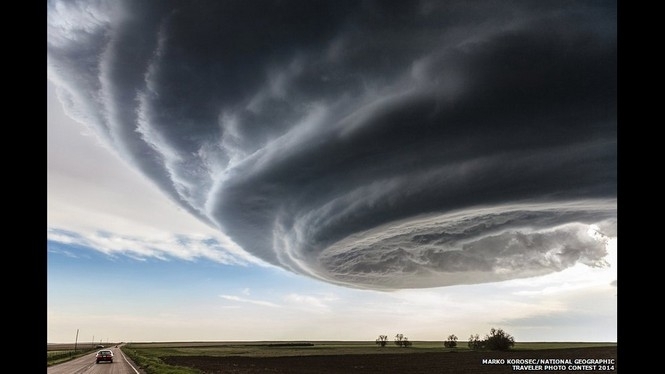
86 365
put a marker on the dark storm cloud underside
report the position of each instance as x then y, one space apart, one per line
425 108
549 135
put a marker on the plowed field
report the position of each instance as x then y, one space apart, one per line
414 363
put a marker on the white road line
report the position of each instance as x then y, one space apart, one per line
127 361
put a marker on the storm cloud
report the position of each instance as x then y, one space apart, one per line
370 144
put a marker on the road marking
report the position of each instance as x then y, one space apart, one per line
127 361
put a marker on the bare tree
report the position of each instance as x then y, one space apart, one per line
382 340
451 342
402 341
475 342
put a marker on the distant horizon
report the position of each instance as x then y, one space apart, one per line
310 341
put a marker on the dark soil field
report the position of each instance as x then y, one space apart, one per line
415 363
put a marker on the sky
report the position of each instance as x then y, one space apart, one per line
325 170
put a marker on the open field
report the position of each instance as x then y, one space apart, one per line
275 348
365 357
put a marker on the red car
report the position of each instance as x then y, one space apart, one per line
104 355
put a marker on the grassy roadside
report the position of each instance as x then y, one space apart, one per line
148 360
56 357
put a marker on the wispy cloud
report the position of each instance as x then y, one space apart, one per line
250 301
318 303
167 247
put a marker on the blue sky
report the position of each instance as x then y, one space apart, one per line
336 180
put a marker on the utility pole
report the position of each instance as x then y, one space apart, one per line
77 340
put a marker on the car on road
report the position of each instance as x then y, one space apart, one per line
105 355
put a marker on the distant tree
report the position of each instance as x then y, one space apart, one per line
451 342
402 341
499 340
475 342
496 340
382 340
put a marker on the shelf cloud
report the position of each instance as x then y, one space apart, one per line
371 144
